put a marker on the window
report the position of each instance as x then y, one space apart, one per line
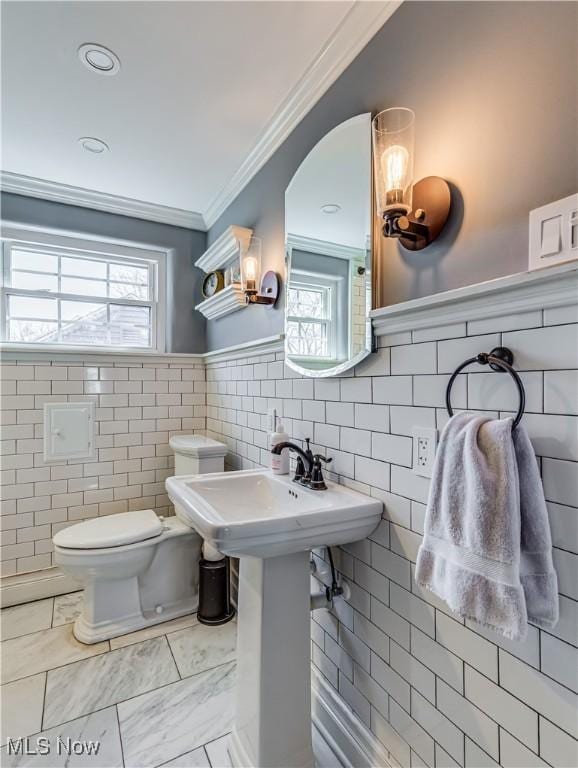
69 296
310 318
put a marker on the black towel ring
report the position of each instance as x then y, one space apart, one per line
500 359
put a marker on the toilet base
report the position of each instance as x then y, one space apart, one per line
89 633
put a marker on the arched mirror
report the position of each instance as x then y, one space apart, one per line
328 248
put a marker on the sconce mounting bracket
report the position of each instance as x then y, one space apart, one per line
431 208
268 291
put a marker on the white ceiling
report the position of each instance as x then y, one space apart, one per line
200 84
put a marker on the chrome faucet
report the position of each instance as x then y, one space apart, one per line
308 469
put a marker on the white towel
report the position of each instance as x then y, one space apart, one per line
487 548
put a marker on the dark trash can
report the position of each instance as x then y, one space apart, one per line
214 592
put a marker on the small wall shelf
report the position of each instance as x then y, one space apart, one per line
221 254
230 299
225 249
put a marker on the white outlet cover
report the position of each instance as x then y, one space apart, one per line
424 450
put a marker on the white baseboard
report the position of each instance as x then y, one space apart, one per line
25 587
351 740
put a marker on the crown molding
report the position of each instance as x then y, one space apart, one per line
357 28
30 186
547 288
324 247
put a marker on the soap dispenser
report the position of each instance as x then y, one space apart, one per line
280 462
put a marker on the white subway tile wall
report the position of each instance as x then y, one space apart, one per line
139 404
435 690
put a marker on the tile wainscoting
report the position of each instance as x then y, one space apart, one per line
139 403
432 689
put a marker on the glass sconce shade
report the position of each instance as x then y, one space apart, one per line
251 266
393 142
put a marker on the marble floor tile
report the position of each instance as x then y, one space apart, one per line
66 608
218 752
156 630
195 759
163 724
100 728
80 688
21 704
202 647
25 619
41 651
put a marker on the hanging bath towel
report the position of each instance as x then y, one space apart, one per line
487 548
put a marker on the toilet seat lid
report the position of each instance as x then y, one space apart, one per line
110 531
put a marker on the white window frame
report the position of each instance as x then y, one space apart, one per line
313 280
14 236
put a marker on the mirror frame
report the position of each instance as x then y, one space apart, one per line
346 365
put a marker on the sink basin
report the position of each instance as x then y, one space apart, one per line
271 523
257 513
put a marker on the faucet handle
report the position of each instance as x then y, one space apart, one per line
317 482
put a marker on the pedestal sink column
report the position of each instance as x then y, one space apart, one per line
273 699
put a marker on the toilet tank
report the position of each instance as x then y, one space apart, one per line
197 454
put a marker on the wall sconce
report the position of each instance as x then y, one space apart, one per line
414 213
268 290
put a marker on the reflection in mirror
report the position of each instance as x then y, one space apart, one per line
328 244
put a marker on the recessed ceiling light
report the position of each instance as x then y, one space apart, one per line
99 59
92 145
331 208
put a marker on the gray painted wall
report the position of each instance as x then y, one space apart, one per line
494 89
186 329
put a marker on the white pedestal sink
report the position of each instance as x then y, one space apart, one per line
271 524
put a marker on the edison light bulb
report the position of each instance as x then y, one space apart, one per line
394 163
250 265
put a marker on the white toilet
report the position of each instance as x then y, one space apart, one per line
137 569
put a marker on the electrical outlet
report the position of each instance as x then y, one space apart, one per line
424 450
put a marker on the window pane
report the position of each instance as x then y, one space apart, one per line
22 306
31 331
34 281
83 267
129 274
83 287
77 310
129 315
84 331
39 262
307 302
88 320
308 339
128 291
129 336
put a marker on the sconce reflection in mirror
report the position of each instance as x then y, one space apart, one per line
414 213
268 285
